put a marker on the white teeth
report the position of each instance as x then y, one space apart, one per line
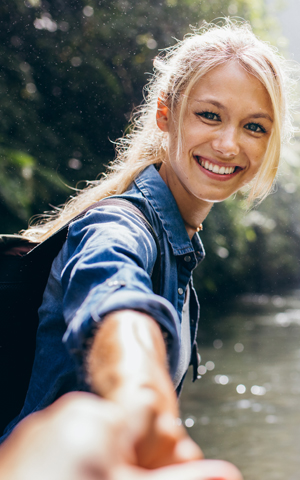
215 168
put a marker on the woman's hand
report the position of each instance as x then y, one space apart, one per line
128 365
82 437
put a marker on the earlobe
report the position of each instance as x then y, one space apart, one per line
162 115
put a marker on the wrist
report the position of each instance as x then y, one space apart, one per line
128 354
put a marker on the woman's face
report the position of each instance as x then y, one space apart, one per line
225 134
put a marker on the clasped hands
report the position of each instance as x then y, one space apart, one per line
83 437
131 433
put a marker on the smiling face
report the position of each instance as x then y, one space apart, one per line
225 132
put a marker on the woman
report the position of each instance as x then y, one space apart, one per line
212 123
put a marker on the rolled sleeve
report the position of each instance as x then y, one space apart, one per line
111 256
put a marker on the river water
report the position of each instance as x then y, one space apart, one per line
245 408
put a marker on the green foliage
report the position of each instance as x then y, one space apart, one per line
23 182
71 73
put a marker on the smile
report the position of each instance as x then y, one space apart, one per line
212 167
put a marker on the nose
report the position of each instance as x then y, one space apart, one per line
226 142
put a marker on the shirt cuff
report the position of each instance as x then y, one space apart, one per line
83 325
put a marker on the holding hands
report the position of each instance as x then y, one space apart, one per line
131 433
82 437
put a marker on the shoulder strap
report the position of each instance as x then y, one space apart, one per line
52 245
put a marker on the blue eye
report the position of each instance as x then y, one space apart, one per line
255 127
209 116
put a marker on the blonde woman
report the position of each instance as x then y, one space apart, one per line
212 123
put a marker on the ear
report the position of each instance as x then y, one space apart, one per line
162 115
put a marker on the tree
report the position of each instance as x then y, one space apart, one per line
71 73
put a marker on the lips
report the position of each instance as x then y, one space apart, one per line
214 168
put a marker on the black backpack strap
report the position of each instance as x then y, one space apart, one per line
50 248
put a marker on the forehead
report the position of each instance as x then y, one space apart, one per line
232 86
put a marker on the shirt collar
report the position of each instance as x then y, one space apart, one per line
152 186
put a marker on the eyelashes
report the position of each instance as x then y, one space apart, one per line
215 117
255 127
209 115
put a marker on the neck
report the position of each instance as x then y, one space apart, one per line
193 219
193 210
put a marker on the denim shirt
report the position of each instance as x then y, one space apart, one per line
105 265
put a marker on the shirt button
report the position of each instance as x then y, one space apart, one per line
187 258
180 291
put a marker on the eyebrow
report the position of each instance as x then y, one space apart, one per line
219 105
262 115
213 102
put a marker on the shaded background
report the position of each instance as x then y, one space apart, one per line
71 73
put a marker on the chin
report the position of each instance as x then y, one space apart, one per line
216 199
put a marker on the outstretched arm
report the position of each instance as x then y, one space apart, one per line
128 365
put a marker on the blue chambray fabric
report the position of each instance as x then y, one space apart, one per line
106 265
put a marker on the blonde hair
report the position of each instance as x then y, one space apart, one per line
176 71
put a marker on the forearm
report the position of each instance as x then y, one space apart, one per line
128 365
128 354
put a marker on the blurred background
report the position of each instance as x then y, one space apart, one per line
71 72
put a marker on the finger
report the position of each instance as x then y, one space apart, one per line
186 450
181 447
199 470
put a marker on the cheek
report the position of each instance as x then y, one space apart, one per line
257 152
172 143
195 133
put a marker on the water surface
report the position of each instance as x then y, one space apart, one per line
246 407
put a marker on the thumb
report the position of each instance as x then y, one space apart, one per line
186 450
